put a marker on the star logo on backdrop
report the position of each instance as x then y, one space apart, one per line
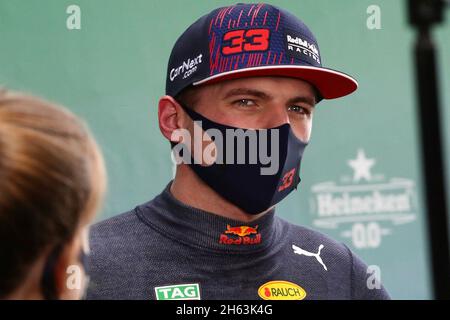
361 166
362 204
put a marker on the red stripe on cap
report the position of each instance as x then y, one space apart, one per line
212 44
236 64
210 26
253 18
214 64
255 13
278 21
250 11
260 6
281 56
268 58
257 10
223 17
222 64
239 19
217 17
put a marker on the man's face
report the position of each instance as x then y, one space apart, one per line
259 103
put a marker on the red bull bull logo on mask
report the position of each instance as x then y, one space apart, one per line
244 235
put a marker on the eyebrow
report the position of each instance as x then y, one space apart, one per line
245 91
305 99
266 96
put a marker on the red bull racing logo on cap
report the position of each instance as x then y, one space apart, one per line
244 235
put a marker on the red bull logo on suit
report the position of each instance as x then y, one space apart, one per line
244 235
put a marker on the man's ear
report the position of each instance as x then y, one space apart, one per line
170 116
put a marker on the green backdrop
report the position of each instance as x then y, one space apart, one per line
361 179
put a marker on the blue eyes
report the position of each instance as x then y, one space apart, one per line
247 103
299 109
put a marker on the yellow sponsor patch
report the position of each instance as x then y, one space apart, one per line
281 290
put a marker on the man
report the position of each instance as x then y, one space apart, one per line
242 85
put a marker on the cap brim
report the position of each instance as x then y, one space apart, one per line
331 84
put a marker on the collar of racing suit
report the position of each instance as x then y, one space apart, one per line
209 231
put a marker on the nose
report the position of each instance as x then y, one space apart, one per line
276 116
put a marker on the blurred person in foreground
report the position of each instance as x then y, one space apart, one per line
52 181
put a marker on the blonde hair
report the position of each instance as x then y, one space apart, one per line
52 180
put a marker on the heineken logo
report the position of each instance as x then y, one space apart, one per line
178 292
365 206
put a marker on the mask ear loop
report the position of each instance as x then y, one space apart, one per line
191 113
48 284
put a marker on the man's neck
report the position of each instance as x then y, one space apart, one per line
188 188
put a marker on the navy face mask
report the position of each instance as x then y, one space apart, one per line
244 185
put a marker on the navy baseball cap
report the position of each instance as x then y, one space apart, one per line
248 40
